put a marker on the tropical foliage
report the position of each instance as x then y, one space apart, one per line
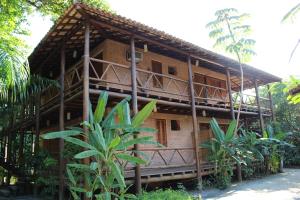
230 34
107 148
223 152
247 148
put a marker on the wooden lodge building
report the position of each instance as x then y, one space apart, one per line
90 51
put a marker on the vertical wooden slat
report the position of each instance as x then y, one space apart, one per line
261 120
86 57
271 103
61 122
195 123
138 183
230 93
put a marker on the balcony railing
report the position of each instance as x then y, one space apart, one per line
115 76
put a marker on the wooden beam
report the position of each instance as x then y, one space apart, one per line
138 183
230 93
195 122
85 74
261 120
271 103
61 122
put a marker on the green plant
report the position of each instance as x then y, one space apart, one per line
44 178
230 32
168 194
107 144
272 147
223 152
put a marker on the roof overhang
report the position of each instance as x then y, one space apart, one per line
69 31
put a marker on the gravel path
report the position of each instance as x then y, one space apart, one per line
284 186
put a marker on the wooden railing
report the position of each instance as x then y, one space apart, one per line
265 104
249 102
210 94
164 157
112 75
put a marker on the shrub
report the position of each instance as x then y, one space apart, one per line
107 143
166 195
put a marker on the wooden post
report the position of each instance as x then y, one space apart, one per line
61 122
271 103
230 94
261 120
86 57
138 182
195 123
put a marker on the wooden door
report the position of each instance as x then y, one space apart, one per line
161 132
200 90
157 79
205 135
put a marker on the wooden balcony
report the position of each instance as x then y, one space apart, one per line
116 78
167 164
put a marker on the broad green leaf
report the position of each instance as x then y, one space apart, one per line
70 176
91 115
130 158
117 174
79 143
100 109
78 189
93 165
230 130
139 140
86 154
74 195
112 113
99 137
218 132
79 166
61 134
115 142
142 115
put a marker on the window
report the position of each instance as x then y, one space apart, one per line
172 70
138 56
175 125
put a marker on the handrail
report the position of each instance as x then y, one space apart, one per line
210 86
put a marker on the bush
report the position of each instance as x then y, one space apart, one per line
166 195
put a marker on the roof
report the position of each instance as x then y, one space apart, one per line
70 28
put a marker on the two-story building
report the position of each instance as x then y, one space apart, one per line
91 51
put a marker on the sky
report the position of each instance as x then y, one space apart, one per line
187 19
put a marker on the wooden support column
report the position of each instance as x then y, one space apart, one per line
195 123
61 122
86 100
271 104
230 94
261 120
138 182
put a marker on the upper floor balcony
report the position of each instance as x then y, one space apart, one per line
116 79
